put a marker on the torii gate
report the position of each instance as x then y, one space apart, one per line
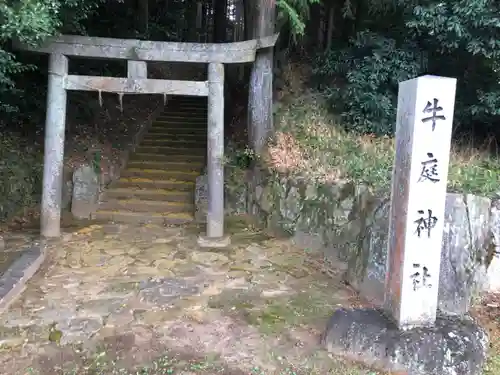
137 53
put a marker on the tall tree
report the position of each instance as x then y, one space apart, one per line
220 21
143 19
261 79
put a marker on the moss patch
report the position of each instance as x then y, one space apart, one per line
279 314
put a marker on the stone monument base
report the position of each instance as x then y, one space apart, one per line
454 346
214 243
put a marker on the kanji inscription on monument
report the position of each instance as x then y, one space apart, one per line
423 137
425 223
429 170
434 112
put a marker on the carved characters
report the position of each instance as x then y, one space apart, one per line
434 109
429 170
425 223
420 277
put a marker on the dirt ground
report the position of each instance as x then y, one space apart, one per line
113 297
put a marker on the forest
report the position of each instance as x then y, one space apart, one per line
348 55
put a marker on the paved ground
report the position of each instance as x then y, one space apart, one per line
111 297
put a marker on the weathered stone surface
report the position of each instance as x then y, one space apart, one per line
368 263
201 198
86 188
208 258
261 280
13 279
102 307
465 238
235 196
493 251
10 337
67 188
213 243
165 291
454 346
78 330
235 191
350 224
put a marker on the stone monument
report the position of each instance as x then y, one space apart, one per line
406 333
86 188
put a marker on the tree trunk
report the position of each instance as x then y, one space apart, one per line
204 22
248 16
321 29
191 20
331 26
260 101
312 26
220 21
143 16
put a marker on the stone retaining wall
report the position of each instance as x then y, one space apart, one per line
349 224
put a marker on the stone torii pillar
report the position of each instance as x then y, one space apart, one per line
215 164
50 224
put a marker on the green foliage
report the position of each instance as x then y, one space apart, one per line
30 22
296 12
371 67
20 175
398 40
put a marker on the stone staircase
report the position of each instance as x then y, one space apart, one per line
157 186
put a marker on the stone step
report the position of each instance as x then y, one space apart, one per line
139 205
145 156
150 194
149 183
201 107
171 150
180 129
183 113
184 134
196 102
143 218
188 99
180 123
168 166
172 142
200 101
177 130
179 148
188 138
183 116
159 174
178 134
193 108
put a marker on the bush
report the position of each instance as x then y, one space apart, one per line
362 80
393 41
21 168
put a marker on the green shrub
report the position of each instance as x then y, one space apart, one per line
397 40
362 80
21 168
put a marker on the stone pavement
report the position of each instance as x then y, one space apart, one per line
151 290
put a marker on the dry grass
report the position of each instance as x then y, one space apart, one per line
311 142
